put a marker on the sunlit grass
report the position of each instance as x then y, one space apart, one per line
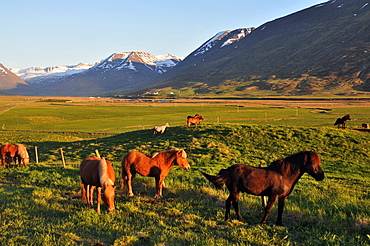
40 205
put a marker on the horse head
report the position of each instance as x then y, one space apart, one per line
107 178
109 196
312 165
181 160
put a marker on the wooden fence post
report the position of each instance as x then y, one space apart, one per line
62 155
97 153
36 155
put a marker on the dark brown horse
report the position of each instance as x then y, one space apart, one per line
8 154
157 166
22 155
342 121
190 120
96 172
275 181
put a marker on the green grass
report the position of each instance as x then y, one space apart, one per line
39 204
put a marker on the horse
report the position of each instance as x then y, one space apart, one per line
157 166
96 172
275 181
190 120
342 121
160 129
22 155
8 154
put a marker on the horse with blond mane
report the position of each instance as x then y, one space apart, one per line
99 173
157 166
8 154
22 155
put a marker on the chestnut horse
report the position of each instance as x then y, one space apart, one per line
8 154
275 181
342 121
96 172
190 120
22 155
157 166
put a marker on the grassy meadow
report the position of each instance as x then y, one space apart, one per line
40 205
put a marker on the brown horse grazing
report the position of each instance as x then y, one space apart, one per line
8 154
190 120
22 155
157 166
342 121
275 181
96 172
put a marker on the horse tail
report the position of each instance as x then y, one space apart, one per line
219 180
103 173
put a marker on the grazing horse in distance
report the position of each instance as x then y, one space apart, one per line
342 121
160 129
8 154
22 155
275 181
190 120
99 173
157 166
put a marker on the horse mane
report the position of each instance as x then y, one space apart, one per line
22 151
103 173
183 153
291 163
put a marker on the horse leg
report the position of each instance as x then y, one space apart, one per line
129 184
98 200
228 206
159 183
235 203
83 193
264 201
281 204
270 204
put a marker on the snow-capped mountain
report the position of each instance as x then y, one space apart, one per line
43 75
118 72
125 60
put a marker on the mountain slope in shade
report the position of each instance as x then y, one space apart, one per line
324 47
9 80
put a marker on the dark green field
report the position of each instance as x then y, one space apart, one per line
40 203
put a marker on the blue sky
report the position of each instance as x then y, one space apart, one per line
50 33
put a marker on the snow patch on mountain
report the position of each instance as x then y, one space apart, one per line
243 32
210 43
52 71
230 36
